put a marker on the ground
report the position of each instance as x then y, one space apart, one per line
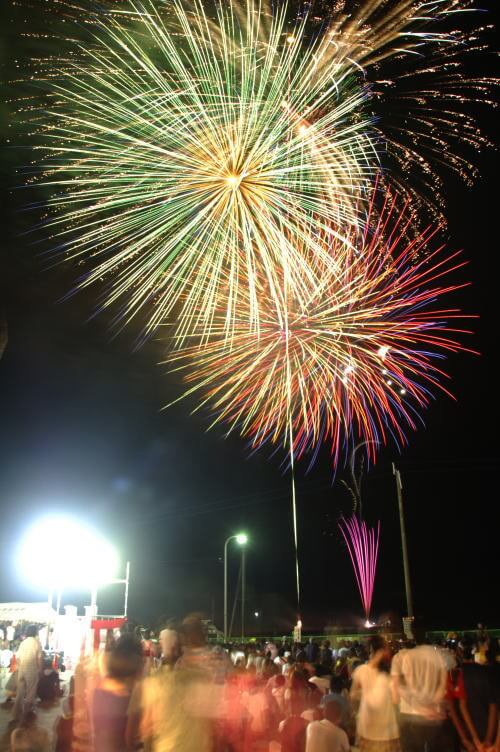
46 715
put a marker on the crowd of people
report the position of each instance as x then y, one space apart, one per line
178 693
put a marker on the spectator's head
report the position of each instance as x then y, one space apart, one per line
193 631
297 680
377 643
466 649
313 697
379 650
493 651
269 668
336 684
125 659
419 633
31 630
319 670
332 711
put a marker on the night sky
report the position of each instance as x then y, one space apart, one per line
82 431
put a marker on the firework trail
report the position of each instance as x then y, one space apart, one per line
362 543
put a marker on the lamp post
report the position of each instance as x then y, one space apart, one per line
242 540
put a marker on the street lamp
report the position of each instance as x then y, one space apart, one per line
241 539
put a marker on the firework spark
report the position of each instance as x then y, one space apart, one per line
183 160
414 55
357 362
362 543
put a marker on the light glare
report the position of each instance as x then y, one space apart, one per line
61 552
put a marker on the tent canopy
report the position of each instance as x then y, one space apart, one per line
39 613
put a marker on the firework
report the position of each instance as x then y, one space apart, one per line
362 543
357 362
414 57
185 154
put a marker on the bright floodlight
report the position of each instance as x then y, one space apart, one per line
242 539
61 552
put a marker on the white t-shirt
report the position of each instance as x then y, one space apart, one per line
169 640
237 655
325 736
11 633
322 683
5 658
421 674
376 719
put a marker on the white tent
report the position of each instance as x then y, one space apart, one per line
38 613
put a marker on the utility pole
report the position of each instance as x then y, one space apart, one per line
406 564
243 584
225 589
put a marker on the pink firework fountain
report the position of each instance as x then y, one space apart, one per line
362 544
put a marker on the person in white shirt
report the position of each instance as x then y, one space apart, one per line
29 664
5 659
325 735
170 644
321 679
289 665
376 726
419 686
238 657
